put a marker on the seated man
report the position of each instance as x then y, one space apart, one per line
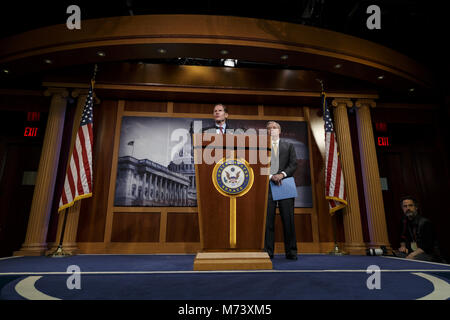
418 240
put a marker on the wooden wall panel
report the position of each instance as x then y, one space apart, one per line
286 111
188 107
303 228
146 106
136 227
91 225
182 227
242 110
207 108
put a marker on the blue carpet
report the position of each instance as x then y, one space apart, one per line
92 263
170 277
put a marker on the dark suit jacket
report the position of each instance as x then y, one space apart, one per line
287 158
212 129
424 233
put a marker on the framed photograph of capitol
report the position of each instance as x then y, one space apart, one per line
156 160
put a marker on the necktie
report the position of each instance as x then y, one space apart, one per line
274 160
221 129
275 149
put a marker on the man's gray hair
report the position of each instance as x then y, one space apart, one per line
274 122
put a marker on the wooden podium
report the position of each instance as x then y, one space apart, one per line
232 184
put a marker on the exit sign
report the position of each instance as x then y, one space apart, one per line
383 141
381 126
33 116
30 132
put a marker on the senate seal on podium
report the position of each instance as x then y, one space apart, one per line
232 177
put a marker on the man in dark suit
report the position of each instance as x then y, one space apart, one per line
221 126
283 164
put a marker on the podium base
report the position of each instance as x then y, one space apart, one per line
205 261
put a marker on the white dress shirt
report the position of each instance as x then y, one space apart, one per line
276 144
224 127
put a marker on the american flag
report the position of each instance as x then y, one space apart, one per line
78 182
334 177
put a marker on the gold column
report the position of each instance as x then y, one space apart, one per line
354 243
73 212
36 237
371 177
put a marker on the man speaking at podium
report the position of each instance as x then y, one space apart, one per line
283 164
220 114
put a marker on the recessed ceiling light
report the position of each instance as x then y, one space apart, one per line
380 77
48 61
284 57
5 71
412 89
161 50
230 62
224 52
101 53
338 66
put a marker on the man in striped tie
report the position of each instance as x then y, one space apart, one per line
221 125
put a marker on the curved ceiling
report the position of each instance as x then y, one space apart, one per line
166 37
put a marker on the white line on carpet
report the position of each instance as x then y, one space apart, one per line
5 258
27 290
214 271
420 261
441 288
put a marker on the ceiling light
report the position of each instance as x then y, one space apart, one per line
380 77
5 71
284 57
412 89
48 61
224 52
338 66
230 62
162 51
101 53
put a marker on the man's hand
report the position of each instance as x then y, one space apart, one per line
276 178
413 254
403 249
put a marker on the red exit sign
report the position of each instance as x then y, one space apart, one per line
33 116
381 126
383 141
30 132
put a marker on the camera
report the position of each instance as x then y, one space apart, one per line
382 251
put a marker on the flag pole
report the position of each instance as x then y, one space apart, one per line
59 252
336 251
